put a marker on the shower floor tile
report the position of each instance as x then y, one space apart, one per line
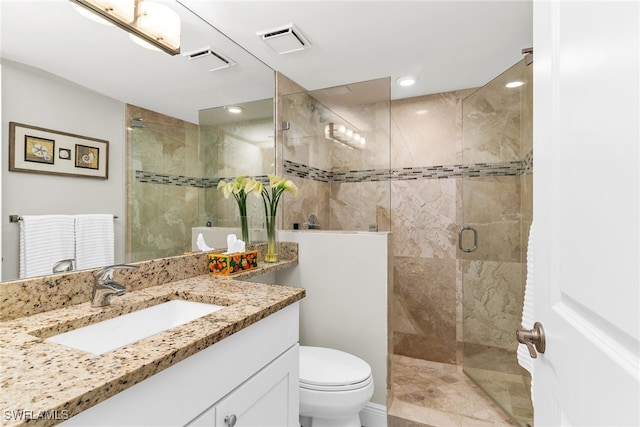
432 394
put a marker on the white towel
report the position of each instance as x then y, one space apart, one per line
45 240
524 359
94 240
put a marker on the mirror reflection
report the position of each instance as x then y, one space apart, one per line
175 170
76 76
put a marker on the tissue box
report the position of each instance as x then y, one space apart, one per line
227 264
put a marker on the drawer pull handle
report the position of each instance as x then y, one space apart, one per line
230 420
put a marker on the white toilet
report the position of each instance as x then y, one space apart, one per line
334 387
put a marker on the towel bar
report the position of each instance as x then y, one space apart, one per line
16 218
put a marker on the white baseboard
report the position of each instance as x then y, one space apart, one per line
374 415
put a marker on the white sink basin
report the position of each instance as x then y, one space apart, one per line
111 334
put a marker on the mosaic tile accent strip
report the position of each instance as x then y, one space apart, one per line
304 171
369 175
527 162
427 172
186 181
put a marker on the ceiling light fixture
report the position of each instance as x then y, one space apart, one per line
155 23
91 15
344 135
513 84
406 81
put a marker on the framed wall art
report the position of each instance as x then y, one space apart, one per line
38 150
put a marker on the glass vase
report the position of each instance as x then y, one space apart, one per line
272 253
244 229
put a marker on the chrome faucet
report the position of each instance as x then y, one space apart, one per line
104 287
312 222
64 266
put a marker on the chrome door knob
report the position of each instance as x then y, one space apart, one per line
533 339
230 420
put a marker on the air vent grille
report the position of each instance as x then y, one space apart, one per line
285 39
209 60
276 33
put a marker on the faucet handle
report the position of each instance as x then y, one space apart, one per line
106 273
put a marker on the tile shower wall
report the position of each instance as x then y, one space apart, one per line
165 187
346 189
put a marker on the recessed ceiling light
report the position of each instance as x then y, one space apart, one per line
234 109
406 81
514 84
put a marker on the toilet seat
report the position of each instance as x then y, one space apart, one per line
326 369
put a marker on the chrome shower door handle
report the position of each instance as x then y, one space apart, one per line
534 339
475 239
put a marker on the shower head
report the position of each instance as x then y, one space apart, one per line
321 112
137 123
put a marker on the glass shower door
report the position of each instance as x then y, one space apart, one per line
497 210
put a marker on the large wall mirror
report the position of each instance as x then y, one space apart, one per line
163 116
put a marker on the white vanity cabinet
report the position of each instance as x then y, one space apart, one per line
250 377
262 401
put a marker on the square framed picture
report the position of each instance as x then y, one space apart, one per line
38 150
87 157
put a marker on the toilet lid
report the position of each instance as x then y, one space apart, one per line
326 368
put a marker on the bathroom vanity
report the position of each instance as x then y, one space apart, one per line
237 363
251 375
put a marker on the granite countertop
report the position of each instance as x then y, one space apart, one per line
48 380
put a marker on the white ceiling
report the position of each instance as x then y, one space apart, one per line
448 45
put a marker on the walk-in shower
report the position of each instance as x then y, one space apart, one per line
497 213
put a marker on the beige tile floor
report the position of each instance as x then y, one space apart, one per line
431 394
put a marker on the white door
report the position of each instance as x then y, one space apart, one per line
586 192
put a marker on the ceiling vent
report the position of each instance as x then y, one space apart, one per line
209 60
285 39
